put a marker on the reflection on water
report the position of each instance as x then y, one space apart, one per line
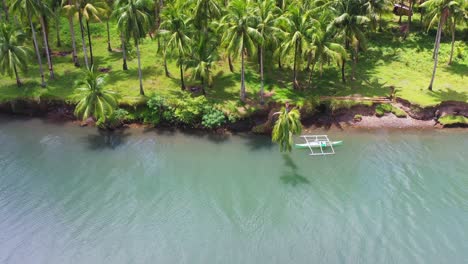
80 195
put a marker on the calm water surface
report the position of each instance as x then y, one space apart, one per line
73 195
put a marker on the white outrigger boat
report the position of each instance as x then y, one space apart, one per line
321 144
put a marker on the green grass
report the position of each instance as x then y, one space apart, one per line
453 120
381 109
389 61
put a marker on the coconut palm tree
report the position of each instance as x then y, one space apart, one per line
202 60
439 10
325 50
45 11
458 13
70 13
133 23
56 7
174 30
267 20
299 27
286 126
13 55
93 99
240 35
87 9
348 24
30 8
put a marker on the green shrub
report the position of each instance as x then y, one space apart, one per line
453 120
158 111
213 118
357 117
189 110
381 109
398 112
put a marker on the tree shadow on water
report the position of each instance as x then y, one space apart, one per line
106 139
293 177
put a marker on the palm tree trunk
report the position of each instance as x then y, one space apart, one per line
262 81
46 45
295 83
258 55
90 43
109 48
166 70
439 32
38 54
124 54
57 30
18 81
310 74
280 66
242 91
231 68
436 51
380 21
142 92
410 16
203 86
182 83
453 42
72 33
355 59
83 42
343 79
5 9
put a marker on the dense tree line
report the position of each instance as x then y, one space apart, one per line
201 32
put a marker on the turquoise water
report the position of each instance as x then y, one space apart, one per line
74 195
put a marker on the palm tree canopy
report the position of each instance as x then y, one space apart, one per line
287 125
239 28
133 19
12 52
94 100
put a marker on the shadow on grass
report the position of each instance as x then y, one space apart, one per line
293 178
457 68
450 95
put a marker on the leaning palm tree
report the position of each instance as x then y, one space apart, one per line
93 99
286 126
133 23
13 54
174 30
240 35
45 11
439 10
30 8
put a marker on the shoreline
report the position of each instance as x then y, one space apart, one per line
260 122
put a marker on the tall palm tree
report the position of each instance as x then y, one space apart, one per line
202 60
174 30
93 99
70 14
439 10
87 9
349 23
13 54
133 22
30 8
56 7
45 11
267 20
93 10
299 26
107 15
240 35
325 50
286 126
458 13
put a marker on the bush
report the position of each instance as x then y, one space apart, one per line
381 109
116 119
357 118
213 118
189 110
158 111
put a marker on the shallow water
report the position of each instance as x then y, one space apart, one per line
73 195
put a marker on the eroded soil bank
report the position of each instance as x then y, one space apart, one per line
357 116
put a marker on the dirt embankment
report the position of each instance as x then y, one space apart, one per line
360 116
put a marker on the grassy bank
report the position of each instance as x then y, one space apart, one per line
389 61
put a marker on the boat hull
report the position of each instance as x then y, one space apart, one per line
319 144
